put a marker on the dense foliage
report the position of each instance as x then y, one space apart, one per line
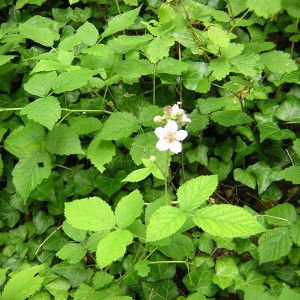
109 189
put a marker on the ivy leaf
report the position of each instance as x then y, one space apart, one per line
72 252
45 111
245 177
121 22
278 61
30 171
109 185
119 125
254 281
289 110
227 221
112 247
226 271
21 3
195 73
159 48
63 140
100 152
87 34
270 130
40 84
291 174
274 244
220 68
165 289
164 222
41 35
90 214
72 80
196 191
264 8
23 284
230 118
129 208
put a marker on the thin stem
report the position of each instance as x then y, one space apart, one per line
166 179
241 18
154 85
293 43
233 20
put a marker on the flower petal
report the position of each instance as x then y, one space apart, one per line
160 132
171 126
175 147
181 135
163 145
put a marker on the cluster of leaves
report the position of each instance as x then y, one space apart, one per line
85 213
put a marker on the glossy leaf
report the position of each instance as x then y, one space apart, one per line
90 214
227 221
230 118
291 174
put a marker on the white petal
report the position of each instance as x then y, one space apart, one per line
171 126
175 147
181 135
175 109
162 145
160 132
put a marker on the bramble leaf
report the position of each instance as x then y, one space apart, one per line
196 191
90 214
227 221
45 111
137 175
220 68
264 8
72 252
129 208
274 244
164 222
87 34
112 247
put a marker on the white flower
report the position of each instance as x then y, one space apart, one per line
184 119
158 119
170 137
176 111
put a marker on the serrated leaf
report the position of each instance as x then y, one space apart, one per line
226 271
159 48
72 80
40 35
100 152
119 125
30 171
112 247
274 244
220 68
142 268
196 191
5 58
129 208
153 168
76 234
247 63
125 43
164 222
23 284
289 110
40 84
121 22
230 118
45 111
295 233
265 8
72 252
218 36
137 175
87 34
195 73
63 140
90 214
227 221
284 215
291 174
278 61
170 65
84 125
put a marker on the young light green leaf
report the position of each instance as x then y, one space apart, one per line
129 208
284 215
230 117
30 171
72 252
23 284
274 244
72 80
218 36
87 34
220 68
112 247
21 3
171 66
142 268
97 146
291 174
119 125
90 214
155 170
41 35
278 61
40 84
5 58
121 22
75 234
227 221
196 191
45 111
137 175
164 222
247 63
63 140
84 125
265 8
226 271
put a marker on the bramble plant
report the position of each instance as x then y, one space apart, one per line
150 150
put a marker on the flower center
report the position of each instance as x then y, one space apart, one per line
170 137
